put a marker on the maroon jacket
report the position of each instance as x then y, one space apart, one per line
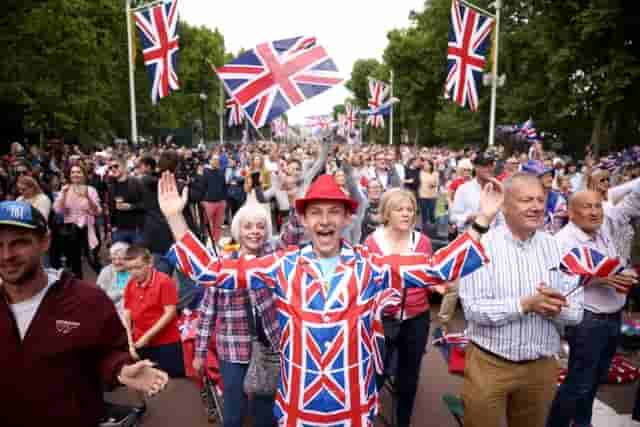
74 347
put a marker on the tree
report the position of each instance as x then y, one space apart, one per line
66 63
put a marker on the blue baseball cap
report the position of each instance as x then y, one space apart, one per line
20 214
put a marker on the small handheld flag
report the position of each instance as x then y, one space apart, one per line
589 265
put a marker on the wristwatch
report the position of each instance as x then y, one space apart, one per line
481 229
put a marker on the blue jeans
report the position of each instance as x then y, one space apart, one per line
235 400
409 347
592 345
427 210
127 235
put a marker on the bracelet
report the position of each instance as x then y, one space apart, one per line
481 229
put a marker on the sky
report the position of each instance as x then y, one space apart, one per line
348 29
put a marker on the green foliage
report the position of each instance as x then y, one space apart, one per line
568 64
66 62
359 83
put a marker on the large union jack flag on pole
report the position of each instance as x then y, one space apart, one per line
275 76
379 92
235 112
158 29
469 42
349 119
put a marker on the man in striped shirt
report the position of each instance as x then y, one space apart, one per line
514 308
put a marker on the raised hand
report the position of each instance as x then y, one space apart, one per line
172 204
491 199
170 201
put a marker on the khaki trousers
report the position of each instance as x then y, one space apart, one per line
449 303
496 390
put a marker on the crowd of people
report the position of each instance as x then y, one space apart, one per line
323 252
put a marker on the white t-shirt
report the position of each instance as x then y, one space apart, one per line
25 311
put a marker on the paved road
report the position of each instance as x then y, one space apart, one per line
180 404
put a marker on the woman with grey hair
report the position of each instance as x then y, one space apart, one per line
114 277
222 317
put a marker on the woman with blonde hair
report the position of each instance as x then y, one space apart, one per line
30 192
397 235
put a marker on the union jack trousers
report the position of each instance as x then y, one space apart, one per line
331 335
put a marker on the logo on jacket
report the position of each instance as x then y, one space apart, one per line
65 326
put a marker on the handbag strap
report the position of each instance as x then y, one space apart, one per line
404 298
251 320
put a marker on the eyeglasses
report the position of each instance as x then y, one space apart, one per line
21 172
115 166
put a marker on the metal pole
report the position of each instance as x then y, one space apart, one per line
221 114
132 85
494 76
391 114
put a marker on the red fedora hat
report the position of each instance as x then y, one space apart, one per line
325 188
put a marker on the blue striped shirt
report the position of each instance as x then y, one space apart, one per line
491 296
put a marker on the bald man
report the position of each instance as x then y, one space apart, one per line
593 341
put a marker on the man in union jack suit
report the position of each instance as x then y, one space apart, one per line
330 297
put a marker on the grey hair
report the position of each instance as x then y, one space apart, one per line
251 210
518 177
117 247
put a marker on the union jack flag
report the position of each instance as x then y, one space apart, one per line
321 123
349 119
276 76
379 92
466 56
158 29
589 264
235 112
279 127
528 131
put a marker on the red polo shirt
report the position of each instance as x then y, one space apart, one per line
146 302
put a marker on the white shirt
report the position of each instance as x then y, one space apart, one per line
491 296
465 203
613 240
25 311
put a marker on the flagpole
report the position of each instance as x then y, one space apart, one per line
391 113
132 85
494 76
221 114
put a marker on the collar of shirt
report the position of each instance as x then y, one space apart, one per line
516 241
147 282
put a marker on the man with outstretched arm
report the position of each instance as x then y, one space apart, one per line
330 297
61 339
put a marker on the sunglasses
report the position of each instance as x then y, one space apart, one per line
22 172
112 167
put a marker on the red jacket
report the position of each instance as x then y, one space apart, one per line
74 347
